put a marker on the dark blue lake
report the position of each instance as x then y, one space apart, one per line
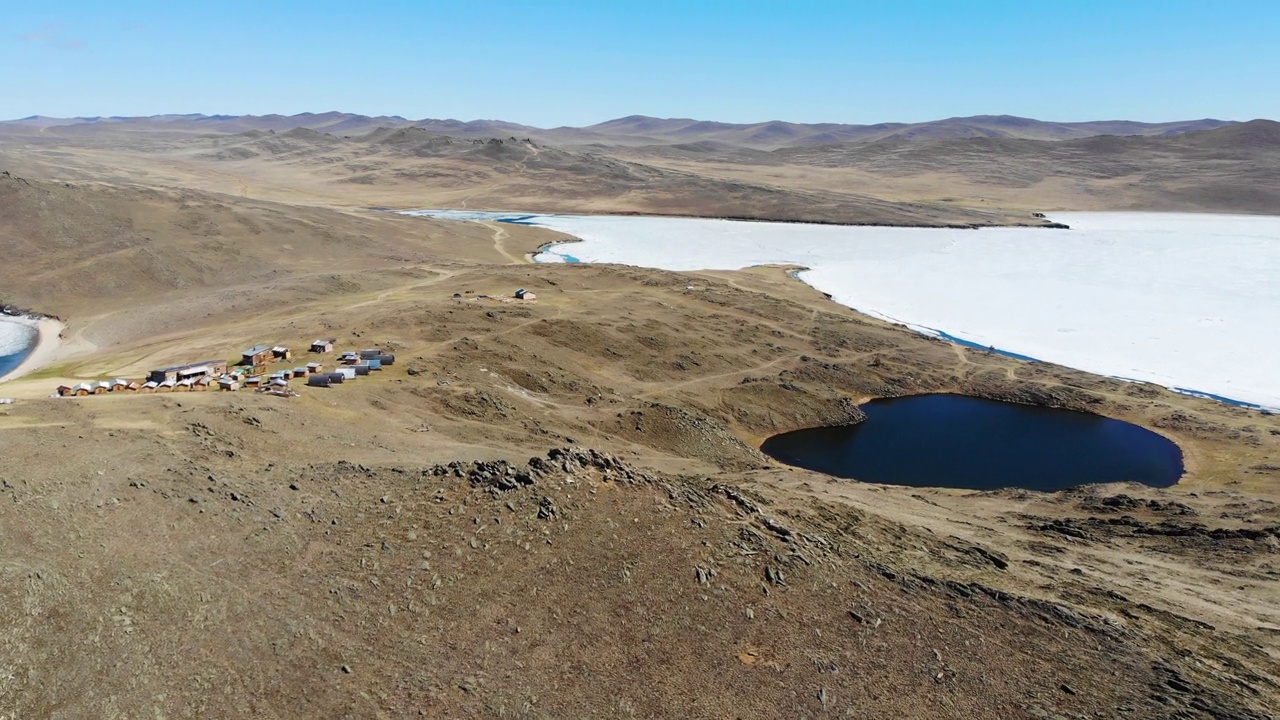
976 444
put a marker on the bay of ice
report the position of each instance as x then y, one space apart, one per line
1189 301
17 336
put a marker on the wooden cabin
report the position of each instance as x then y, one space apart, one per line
322 346
204 368
256 356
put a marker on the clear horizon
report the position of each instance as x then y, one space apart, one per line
557 63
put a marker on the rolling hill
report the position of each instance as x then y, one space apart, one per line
638 129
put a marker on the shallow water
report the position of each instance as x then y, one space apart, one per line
976 444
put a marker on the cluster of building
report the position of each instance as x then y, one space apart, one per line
253 371
520 294
351 366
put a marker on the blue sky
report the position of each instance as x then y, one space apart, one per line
571 63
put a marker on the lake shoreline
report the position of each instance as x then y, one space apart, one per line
40 352
1032 223
1064 318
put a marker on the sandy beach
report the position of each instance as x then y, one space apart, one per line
47 342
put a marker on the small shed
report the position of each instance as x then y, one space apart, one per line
65 390
281 352
386 359
149 386
279 383
119 385
82 389
374 364
313 368
523 294
361 369
320 380
370 353
135 386
229 384
254 381
101 388
348 358
166 386
336 377
322 346
300 372
347 372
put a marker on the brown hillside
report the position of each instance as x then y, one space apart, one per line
340 553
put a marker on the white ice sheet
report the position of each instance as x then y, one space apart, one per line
1186 301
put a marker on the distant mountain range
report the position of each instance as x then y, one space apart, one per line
637 130
970 171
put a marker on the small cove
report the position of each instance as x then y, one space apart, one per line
976 444
17 340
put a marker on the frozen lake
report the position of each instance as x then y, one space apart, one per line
17 335
1187 301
